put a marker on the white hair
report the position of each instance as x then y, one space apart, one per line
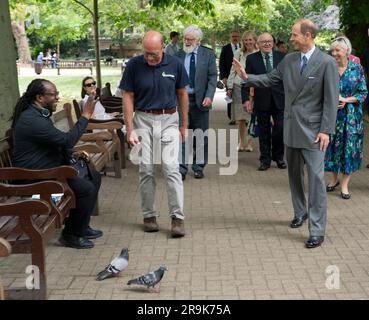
343 42
195 30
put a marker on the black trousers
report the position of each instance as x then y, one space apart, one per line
86 193
271 137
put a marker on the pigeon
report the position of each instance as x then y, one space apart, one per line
115 267
150 279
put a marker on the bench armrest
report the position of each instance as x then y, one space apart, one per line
104 124
25 208
5 248
103 135
59 173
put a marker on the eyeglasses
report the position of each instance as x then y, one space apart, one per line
189 39
341 39
154 55
55 94
90 84
264 42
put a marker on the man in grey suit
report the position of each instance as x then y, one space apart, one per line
311 85
200 65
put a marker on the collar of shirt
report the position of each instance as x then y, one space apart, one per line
308 54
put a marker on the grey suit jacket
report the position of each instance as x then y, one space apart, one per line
311 99
206 75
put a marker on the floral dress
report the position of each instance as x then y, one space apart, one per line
345 150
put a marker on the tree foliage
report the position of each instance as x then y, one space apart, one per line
354 17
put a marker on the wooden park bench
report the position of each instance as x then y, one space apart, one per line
27 225
74 64
114 146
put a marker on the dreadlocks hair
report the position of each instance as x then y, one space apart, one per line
35 88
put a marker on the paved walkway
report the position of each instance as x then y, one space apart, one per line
238 243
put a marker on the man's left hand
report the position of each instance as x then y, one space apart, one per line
183 133
207 102
323 138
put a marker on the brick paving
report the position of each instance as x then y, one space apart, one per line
238 243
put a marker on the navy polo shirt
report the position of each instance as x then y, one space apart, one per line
154 87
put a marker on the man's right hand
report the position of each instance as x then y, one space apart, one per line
239 68
89 107
132 138
225 80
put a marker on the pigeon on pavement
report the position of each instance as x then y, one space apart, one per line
150 279
115 267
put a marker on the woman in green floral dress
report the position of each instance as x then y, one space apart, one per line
345 151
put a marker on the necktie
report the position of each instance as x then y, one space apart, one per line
192 70
304 64
235 47
267 63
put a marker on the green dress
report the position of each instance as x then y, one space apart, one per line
345 150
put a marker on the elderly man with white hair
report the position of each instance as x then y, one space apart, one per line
199 62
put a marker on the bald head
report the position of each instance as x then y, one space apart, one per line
153 46
153 37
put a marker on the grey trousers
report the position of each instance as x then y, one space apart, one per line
316 209
159 136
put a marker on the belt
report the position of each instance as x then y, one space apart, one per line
160 111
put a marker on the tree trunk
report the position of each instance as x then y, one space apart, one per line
97 46
21 39
9 92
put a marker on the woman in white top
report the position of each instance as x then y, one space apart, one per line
248 46
88 88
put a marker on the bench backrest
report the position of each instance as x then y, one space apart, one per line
5 155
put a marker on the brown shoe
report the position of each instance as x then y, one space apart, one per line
177 228
150 225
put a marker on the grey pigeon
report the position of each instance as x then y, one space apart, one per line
150 279
115 267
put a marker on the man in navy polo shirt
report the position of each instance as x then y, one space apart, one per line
152 84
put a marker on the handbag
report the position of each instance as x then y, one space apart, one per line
254 128
81 165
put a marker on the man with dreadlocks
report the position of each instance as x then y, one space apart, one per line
38 144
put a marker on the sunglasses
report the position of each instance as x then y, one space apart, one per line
90 84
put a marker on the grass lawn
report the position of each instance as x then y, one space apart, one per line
69 86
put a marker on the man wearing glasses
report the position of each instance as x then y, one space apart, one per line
200 65
311 84
268 103
152 84
38 144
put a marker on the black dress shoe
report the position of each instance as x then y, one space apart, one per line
199 174
92 233
314 242
264 167
345 196
297 222
332 188
183 176
281 164
232 123
69 240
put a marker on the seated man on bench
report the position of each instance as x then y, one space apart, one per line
38 144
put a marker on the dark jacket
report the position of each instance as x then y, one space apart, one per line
263 96
38 144
225 61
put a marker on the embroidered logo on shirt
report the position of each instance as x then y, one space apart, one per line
166 75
